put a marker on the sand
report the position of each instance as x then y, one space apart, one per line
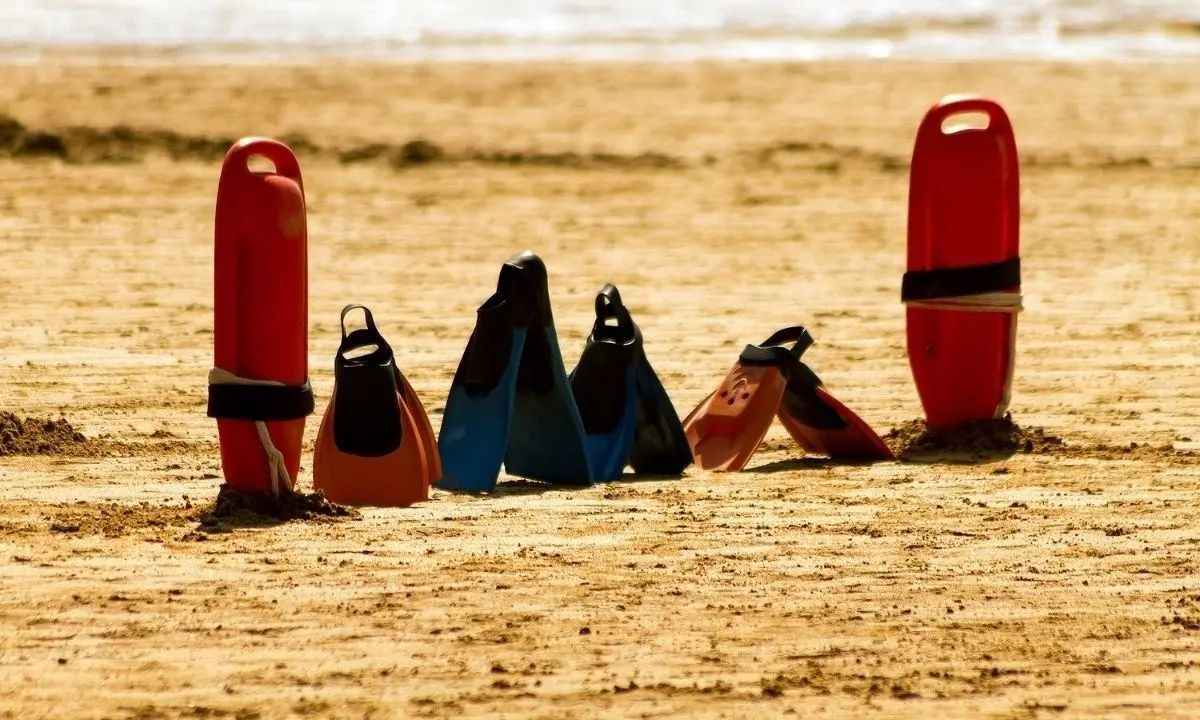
1054 579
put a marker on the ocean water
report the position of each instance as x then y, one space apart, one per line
607 29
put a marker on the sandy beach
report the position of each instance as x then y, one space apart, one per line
726 201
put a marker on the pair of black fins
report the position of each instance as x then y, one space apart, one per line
512 402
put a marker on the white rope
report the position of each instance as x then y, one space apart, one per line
279 473
1006 302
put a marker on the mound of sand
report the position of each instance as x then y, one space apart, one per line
40 436
236 508
975 440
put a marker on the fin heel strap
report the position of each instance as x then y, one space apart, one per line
366 313
797 334
362 337
609 305
774 351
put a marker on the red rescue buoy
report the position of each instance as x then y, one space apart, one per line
260 379
962 285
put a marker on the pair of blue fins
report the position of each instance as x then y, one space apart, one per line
512 403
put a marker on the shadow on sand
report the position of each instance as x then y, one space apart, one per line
521 486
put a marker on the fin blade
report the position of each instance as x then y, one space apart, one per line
546 439
423 429
854 441
603 387
475 428
660 445
726 429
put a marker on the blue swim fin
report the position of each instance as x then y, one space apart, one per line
546 440
510 402
628 418
604 386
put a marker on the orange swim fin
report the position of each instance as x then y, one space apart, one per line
433 458
376 444
726 429
770 381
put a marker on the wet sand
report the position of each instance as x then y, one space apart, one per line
726 201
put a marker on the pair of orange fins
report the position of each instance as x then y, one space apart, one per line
376 445
770 381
